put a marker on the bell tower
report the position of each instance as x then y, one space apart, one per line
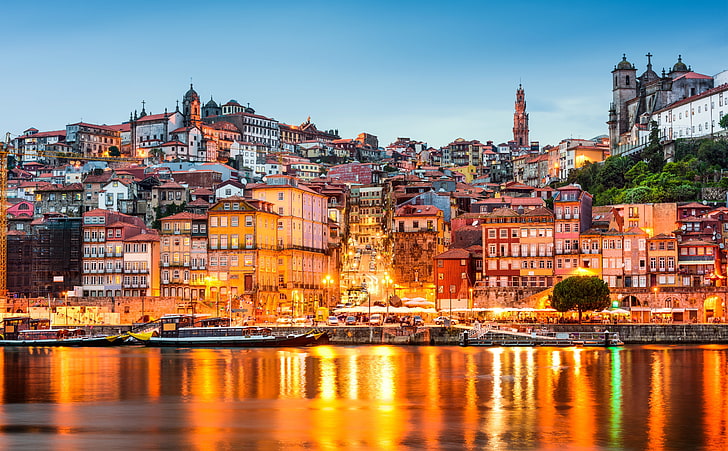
624 88
520 119
191 107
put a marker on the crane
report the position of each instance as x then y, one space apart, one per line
5 151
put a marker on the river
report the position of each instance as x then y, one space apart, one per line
367 397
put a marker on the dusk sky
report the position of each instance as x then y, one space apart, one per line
431 71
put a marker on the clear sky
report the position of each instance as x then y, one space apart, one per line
431 71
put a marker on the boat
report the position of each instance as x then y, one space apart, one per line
26 331
481 335
185 331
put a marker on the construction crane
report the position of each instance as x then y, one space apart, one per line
5 151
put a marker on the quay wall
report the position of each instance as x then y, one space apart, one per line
442 336
629 333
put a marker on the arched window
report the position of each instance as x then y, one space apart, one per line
627 80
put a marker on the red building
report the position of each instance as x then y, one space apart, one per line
454 279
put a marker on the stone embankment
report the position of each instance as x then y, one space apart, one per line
629 333
442 336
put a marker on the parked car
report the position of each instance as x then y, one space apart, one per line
440 320
376 319
350 321
415 320
302 322
285 321
332 321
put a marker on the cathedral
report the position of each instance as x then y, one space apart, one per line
636 98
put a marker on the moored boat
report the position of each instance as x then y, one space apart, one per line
487 336
25 331
183 331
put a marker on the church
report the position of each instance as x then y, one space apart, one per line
635 99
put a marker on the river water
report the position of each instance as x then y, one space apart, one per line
368 397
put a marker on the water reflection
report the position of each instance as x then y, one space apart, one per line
383 397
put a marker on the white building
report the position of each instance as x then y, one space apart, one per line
113 192
153 130
229 188
694 116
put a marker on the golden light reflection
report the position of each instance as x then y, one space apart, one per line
715 394
656 417
495 424
376 397
582 416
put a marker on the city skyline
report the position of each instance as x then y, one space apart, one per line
428 71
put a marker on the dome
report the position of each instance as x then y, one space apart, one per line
211 104
192 94
233 102
624 64
679 66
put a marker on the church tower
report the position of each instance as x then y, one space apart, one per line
520 119
191 108
624 88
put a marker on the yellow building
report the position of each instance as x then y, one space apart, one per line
303 239
242 256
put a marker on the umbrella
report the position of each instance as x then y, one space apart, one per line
422 303
619 311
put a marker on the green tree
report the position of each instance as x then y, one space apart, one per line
114 151
580 293
653 154
724 121
613 173
637 174
162 211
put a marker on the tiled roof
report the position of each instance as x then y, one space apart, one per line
183 215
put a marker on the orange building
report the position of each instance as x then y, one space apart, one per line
303 244
242 253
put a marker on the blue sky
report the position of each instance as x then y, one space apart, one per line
431 71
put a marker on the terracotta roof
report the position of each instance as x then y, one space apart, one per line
153 117
54 187
149 235
183 215
43 134
199 202
417 210
453 254
694 75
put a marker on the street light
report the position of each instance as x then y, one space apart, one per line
387 282
327 281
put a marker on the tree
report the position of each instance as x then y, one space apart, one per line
162 211
653 153
114 151
724 121
580 293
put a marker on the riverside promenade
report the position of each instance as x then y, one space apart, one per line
442 336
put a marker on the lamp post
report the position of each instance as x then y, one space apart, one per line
327 281
452 293
387 283
470 303
369 301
